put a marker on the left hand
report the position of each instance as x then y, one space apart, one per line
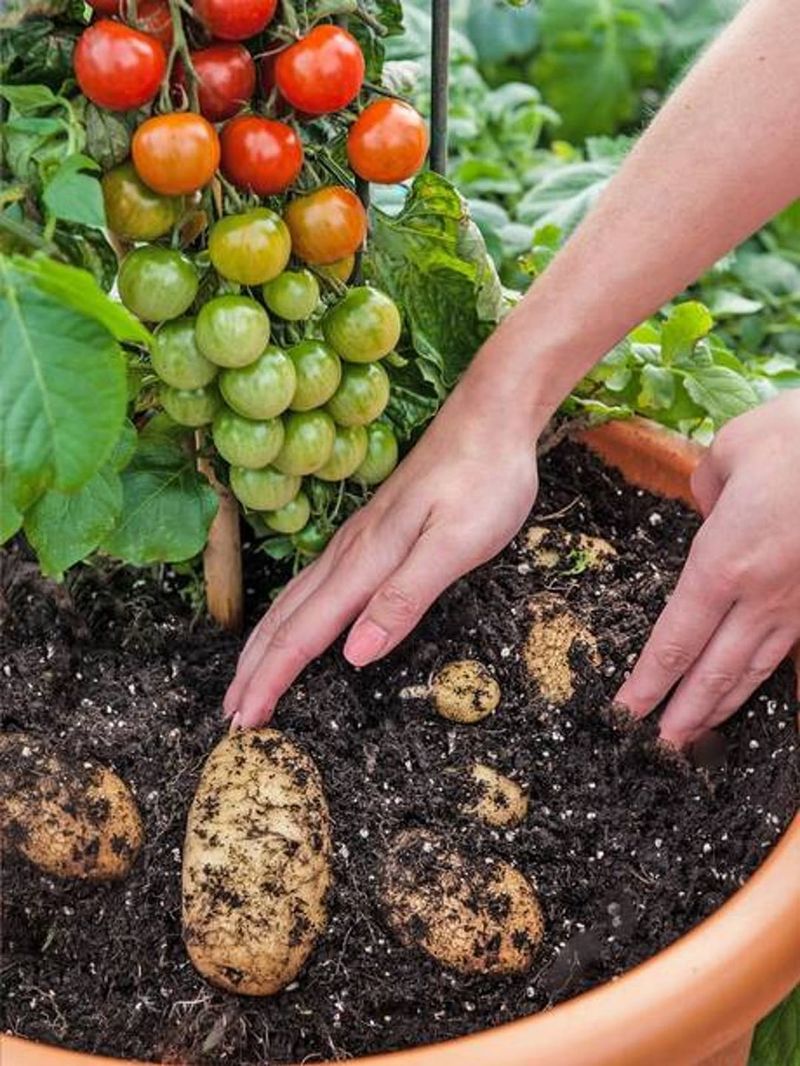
735 613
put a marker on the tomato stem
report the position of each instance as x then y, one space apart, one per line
180 48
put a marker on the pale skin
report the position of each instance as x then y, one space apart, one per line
720 159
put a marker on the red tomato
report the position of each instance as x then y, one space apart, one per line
327 225
117 67
105 7
153 17
323 72
235 20
176 154
226 77
260 155
388 142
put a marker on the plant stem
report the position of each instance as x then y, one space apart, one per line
222 558
180 47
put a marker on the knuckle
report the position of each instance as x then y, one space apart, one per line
717 682
672 658
288 645
399 604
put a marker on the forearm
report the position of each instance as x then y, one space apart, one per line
720 159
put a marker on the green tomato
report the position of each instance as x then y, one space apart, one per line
293 295
242 442
133 211
232 331
307 442
251 248
157 284
364 326
362 396
319 372
176 358
381 455
291 518
349 452
263 389
263 490
312 539
190 407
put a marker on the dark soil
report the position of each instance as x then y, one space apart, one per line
628 847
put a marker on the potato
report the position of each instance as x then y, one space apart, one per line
70 819
495 799
468 915
465 691
574 552
256 863
550 641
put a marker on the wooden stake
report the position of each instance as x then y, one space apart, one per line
222 559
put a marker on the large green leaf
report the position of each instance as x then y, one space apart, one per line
167 507
75 196
564 196
62 390
777 1040
720 391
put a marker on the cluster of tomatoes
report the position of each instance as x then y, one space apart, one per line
230 111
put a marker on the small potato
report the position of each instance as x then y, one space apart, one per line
573 552
465 691
495 799
468 915
256 863
70 819
550 641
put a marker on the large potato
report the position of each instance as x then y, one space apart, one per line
553 634
470 916
256 863
573 552
70 819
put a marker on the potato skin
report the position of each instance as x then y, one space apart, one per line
468 915
497 800
546 653
464 691
70 819
256 863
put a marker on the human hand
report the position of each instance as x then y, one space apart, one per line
456 500
735 613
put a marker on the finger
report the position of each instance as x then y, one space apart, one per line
743 653
707 484
702 598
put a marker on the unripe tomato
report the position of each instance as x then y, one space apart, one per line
341 270
318 373
190 407
176 154
326 225
232 331
312 539
308 438
226 79
117 67
153 17
133 211
382 455
291 518
263 490
260 155
293 295
176 358
322 72
362 396
364 326
388 142
157 283
349 452
235 20
243 442
263 389
251 248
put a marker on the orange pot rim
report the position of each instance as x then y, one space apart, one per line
680 1006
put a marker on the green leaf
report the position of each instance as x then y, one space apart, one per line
657 388
777 1040
62 389
28 99
564 196
63 529
108 135
167 509
10 517
686 324
724 303
74 196
721 392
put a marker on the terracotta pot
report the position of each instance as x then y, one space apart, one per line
694 1004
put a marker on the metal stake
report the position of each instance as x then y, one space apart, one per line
440 74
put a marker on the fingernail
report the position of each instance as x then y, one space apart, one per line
228 709
236 724
365 643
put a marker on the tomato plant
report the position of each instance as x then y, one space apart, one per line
293 295
247 443
292 517
264 490
157 283
250 248
176 358
322 72
364 326
118 67
307 443
263 389
312 539
362 395
327 225
232 331
349 452
318 371
190 407
226 79
235 20
388 142
381 456
260 155
176 154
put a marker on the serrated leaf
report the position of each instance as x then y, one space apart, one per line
28 99
721 392
108 136
73 195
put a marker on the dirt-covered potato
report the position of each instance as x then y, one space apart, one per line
465 691
71 819
494 798
554 633
256 863
575 552
469 915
